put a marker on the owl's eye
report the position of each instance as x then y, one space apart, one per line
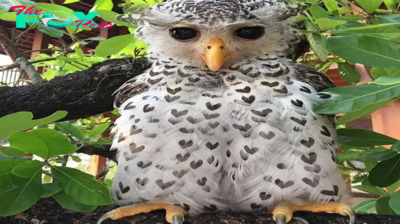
250 33
184 33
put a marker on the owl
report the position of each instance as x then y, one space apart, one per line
223 120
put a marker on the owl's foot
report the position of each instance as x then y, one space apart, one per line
175 214
283 213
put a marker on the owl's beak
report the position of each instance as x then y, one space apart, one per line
215 54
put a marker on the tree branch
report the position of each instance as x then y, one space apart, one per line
16 65
101 151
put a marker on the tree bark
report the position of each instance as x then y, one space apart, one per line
48 211
81 94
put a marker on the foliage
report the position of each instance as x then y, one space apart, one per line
341 33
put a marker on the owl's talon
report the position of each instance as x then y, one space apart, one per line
280 218
300 220
177 219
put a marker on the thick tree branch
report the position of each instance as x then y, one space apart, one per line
81 94
101 151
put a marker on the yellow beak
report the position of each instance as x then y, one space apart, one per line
215 54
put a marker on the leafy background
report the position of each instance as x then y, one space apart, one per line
341 33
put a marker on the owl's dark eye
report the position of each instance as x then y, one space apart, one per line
184 33
250 33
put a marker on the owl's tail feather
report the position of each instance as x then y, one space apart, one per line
283 213
175 214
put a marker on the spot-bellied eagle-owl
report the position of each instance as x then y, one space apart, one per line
222 120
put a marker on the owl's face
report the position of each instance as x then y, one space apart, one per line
212 34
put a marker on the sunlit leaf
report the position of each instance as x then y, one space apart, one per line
14 122
377 72
326 24
318 12
384 31
370 5
49 119
99 129
113 45
69 128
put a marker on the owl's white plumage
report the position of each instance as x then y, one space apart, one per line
243 138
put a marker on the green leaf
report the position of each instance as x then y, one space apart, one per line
113 45
386 172
326 24
26 193
70 1
394 187
14 122
8 16
317 42
109 16
383 207
362 137
6 167
362 112
396 146
81 186
349 155
387 80
352 98
371 189
331 5
69 203
384 31
103 5
50 189
365 206
49 119
391 4
45 143
394 202
318 12
69 129
377 72
76 158
383 155
98 129
53 32
375 52
348 73
95 39
8 151
370 5
27 169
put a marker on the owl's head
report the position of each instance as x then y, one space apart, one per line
215 33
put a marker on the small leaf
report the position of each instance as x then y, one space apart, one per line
95 39
69 203
363 137
45 143
53 32
394 202
370 5
76 158
386 172
383 155
375 52
349 155
348 73
82 187
396 146
383 207
318 12
362 112
317 42
331 5
113 45
387 80
49 119
27 169
50 189
371 189
326 24
377 72
14 122
365 206
98 129
69 129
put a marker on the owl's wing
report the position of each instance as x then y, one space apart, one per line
129 89
313 77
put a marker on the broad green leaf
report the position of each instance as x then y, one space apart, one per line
82 187
47 120
394 203
14 122
348 73
317 42
98 129
383 155
349 155
53 32
109 16
393 18
45 143
70 1
8 151
69 203
113 45
383 207
362 112
6 167
331 5
8 16
375 52
326 24
103 5
384 31
27 169
394 187
391 4
371 189
318 12
352 98
396 146
69 128
377 72
50 189
26 193
387 80
363 137
370 5
365 206
386 172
